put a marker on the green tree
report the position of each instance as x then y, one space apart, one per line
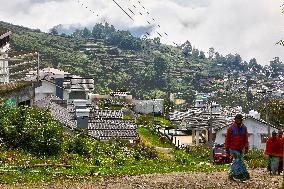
86 33
31 129
54 31
202 55
211 52
98 31
254 66
275 112
157 41
186 49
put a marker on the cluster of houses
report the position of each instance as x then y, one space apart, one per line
197 121
71 101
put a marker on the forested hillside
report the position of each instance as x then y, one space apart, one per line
118 61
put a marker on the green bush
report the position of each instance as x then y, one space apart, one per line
79 145
145 119
30 129
198 152
163 121
256 158
182 157
144 152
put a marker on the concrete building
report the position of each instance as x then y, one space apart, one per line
149 106
4 48
62 84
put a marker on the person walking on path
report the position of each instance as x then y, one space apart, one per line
274 150
280 166
235 142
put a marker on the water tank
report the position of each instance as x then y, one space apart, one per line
216 108
199 103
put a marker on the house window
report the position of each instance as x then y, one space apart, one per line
263 138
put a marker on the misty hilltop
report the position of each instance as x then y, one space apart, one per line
146 67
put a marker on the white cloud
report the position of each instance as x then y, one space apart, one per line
249 28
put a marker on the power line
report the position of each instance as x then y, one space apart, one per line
123 10
152 19
85 6
129 16
147 33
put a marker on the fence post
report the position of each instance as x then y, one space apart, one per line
178 143
175 140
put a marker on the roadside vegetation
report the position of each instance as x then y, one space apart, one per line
36 149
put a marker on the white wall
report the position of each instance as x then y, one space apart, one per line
148 106
215 108
65 94
277 93
199 103
45 90
220 136
4 64
255 129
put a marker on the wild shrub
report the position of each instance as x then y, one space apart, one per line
182 157
256 158
145 119
198 152
79 144
30 129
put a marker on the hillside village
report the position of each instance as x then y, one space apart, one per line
73 99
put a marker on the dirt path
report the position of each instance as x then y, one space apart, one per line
259 179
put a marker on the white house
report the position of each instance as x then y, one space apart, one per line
257 131
61 84
278 93
4 48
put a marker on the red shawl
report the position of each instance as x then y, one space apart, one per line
274 147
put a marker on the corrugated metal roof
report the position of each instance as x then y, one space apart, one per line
4 34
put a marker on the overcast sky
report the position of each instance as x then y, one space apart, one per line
247 27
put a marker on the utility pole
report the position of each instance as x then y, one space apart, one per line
153 111
37 66
211 134
266 113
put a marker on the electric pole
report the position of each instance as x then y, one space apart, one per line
211 134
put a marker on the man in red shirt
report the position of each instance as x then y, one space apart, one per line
280 167
274 150
235 142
